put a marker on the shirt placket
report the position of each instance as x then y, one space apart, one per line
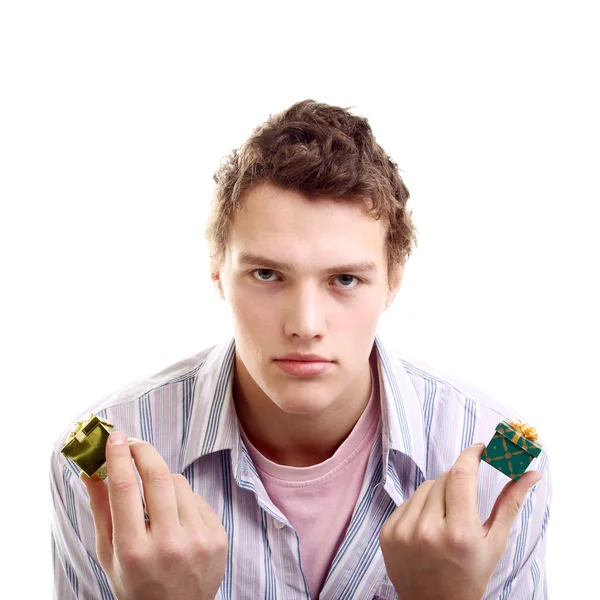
283 543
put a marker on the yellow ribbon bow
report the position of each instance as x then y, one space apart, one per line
529 432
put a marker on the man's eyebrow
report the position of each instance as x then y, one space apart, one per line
248 258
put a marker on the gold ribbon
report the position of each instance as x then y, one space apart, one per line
528 432
77 429
78 434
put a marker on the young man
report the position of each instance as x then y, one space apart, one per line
302 458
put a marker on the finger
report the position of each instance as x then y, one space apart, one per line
435 504
159 490
414 506
209 516
126 508
461 488
187 507
508 504
100 506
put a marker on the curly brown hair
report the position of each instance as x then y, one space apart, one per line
321 151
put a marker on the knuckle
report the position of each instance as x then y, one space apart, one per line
222 542
385 535
458 472
212 544
199 548
172 551
515 505
134 559
389 528
393 535
157 476
426 535
461 542
122 487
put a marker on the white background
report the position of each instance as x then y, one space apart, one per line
114 117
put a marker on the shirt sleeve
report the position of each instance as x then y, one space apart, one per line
77 573
521 572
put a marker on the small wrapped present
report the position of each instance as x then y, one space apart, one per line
86 443
512 448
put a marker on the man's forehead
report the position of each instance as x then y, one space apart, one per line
291 233
266 199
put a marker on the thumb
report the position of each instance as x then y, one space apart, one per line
508 506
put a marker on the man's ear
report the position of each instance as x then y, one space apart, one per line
216 278
395 283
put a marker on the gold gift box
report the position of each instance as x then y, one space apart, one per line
86 443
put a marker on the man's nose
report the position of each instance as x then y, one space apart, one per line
304 313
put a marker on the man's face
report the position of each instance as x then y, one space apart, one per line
303 305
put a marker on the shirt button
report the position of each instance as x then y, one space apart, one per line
279 525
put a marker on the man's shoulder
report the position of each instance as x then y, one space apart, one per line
452 413
430 382
131 407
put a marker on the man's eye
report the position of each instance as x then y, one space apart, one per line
262 271
263 275
351 277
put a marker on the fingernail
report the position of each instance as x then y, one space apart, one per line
132 440
480 445
117 438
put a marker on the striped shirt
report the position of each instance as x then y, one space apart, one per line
187 413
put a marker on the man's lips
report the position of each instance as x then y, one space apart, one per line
298 357
304 367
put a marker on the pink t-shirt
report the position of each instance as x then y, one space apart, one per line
319 500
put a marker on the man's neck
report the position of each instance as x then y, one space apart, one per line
292 439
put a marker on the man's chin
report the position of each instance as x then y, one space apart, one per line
303 406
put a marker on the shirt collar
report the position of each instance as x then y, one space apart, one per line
212 423
401 411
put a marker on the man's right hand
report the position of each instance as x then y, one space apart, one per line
181 552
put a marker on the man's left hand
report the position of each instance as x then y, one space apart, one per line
434 545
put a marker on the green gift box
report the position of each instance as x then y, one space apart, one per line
510 451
